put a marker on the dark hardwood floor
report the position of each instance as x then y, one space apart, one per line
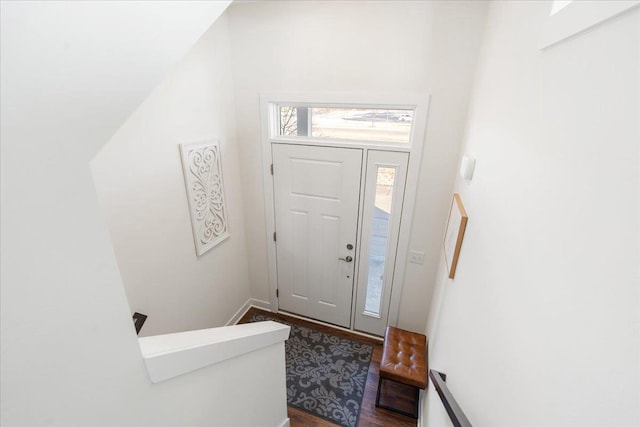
393 394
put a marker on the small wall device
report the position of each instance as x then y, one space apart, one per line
467 166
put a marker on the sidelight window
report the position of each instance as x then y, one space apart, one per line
384 189
379 238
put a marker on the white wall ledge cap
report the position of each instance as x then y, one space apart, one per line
170 355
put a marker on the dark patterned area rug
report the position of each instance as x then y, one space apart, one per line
326 374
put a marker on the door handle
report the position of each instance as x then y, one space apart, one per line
349 258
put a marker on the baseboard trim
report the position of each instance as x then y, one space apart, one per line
241 311
265 305
251 302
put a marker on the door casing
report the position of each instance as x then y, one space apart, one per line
419 102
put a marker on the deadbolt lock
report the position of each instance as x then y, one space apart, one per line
349 246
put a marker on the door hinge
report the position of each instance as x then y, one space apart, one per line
271 168
277 293
274 236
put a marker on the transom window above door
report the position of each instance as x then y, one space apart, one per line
343 123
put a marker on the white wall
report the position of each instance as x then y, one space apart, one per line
540 325
69 354
139 178
359 46
96 60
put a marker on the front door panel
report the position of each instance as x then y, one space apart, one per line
316 192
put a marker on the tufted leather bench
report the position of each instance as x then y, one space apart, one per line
404 360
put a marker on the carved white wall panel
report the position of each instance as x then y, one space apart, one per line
205 192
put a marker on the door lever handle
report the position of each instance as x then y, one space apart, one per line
349 258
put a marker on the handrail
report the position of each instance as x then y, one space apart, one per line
457 417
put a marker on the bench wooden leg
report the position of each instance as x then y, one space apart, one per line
413 414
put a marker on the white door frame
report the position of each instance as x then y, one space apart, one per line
419 102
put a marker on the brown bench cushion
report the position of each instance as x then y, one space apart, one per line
404 357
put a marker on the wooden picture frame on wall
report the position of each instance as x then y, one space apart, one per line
454 234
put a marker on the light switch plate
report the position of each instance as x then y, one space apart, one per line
416 257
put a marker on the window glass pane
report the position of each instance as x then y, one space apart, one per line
379 238
293 121
358 124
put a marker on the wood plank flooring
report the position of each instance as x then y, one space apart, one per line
395 395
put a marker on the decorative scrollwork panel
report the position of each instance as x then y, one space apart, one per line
205 192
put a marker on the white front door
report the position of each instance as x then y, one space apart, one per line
317 193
